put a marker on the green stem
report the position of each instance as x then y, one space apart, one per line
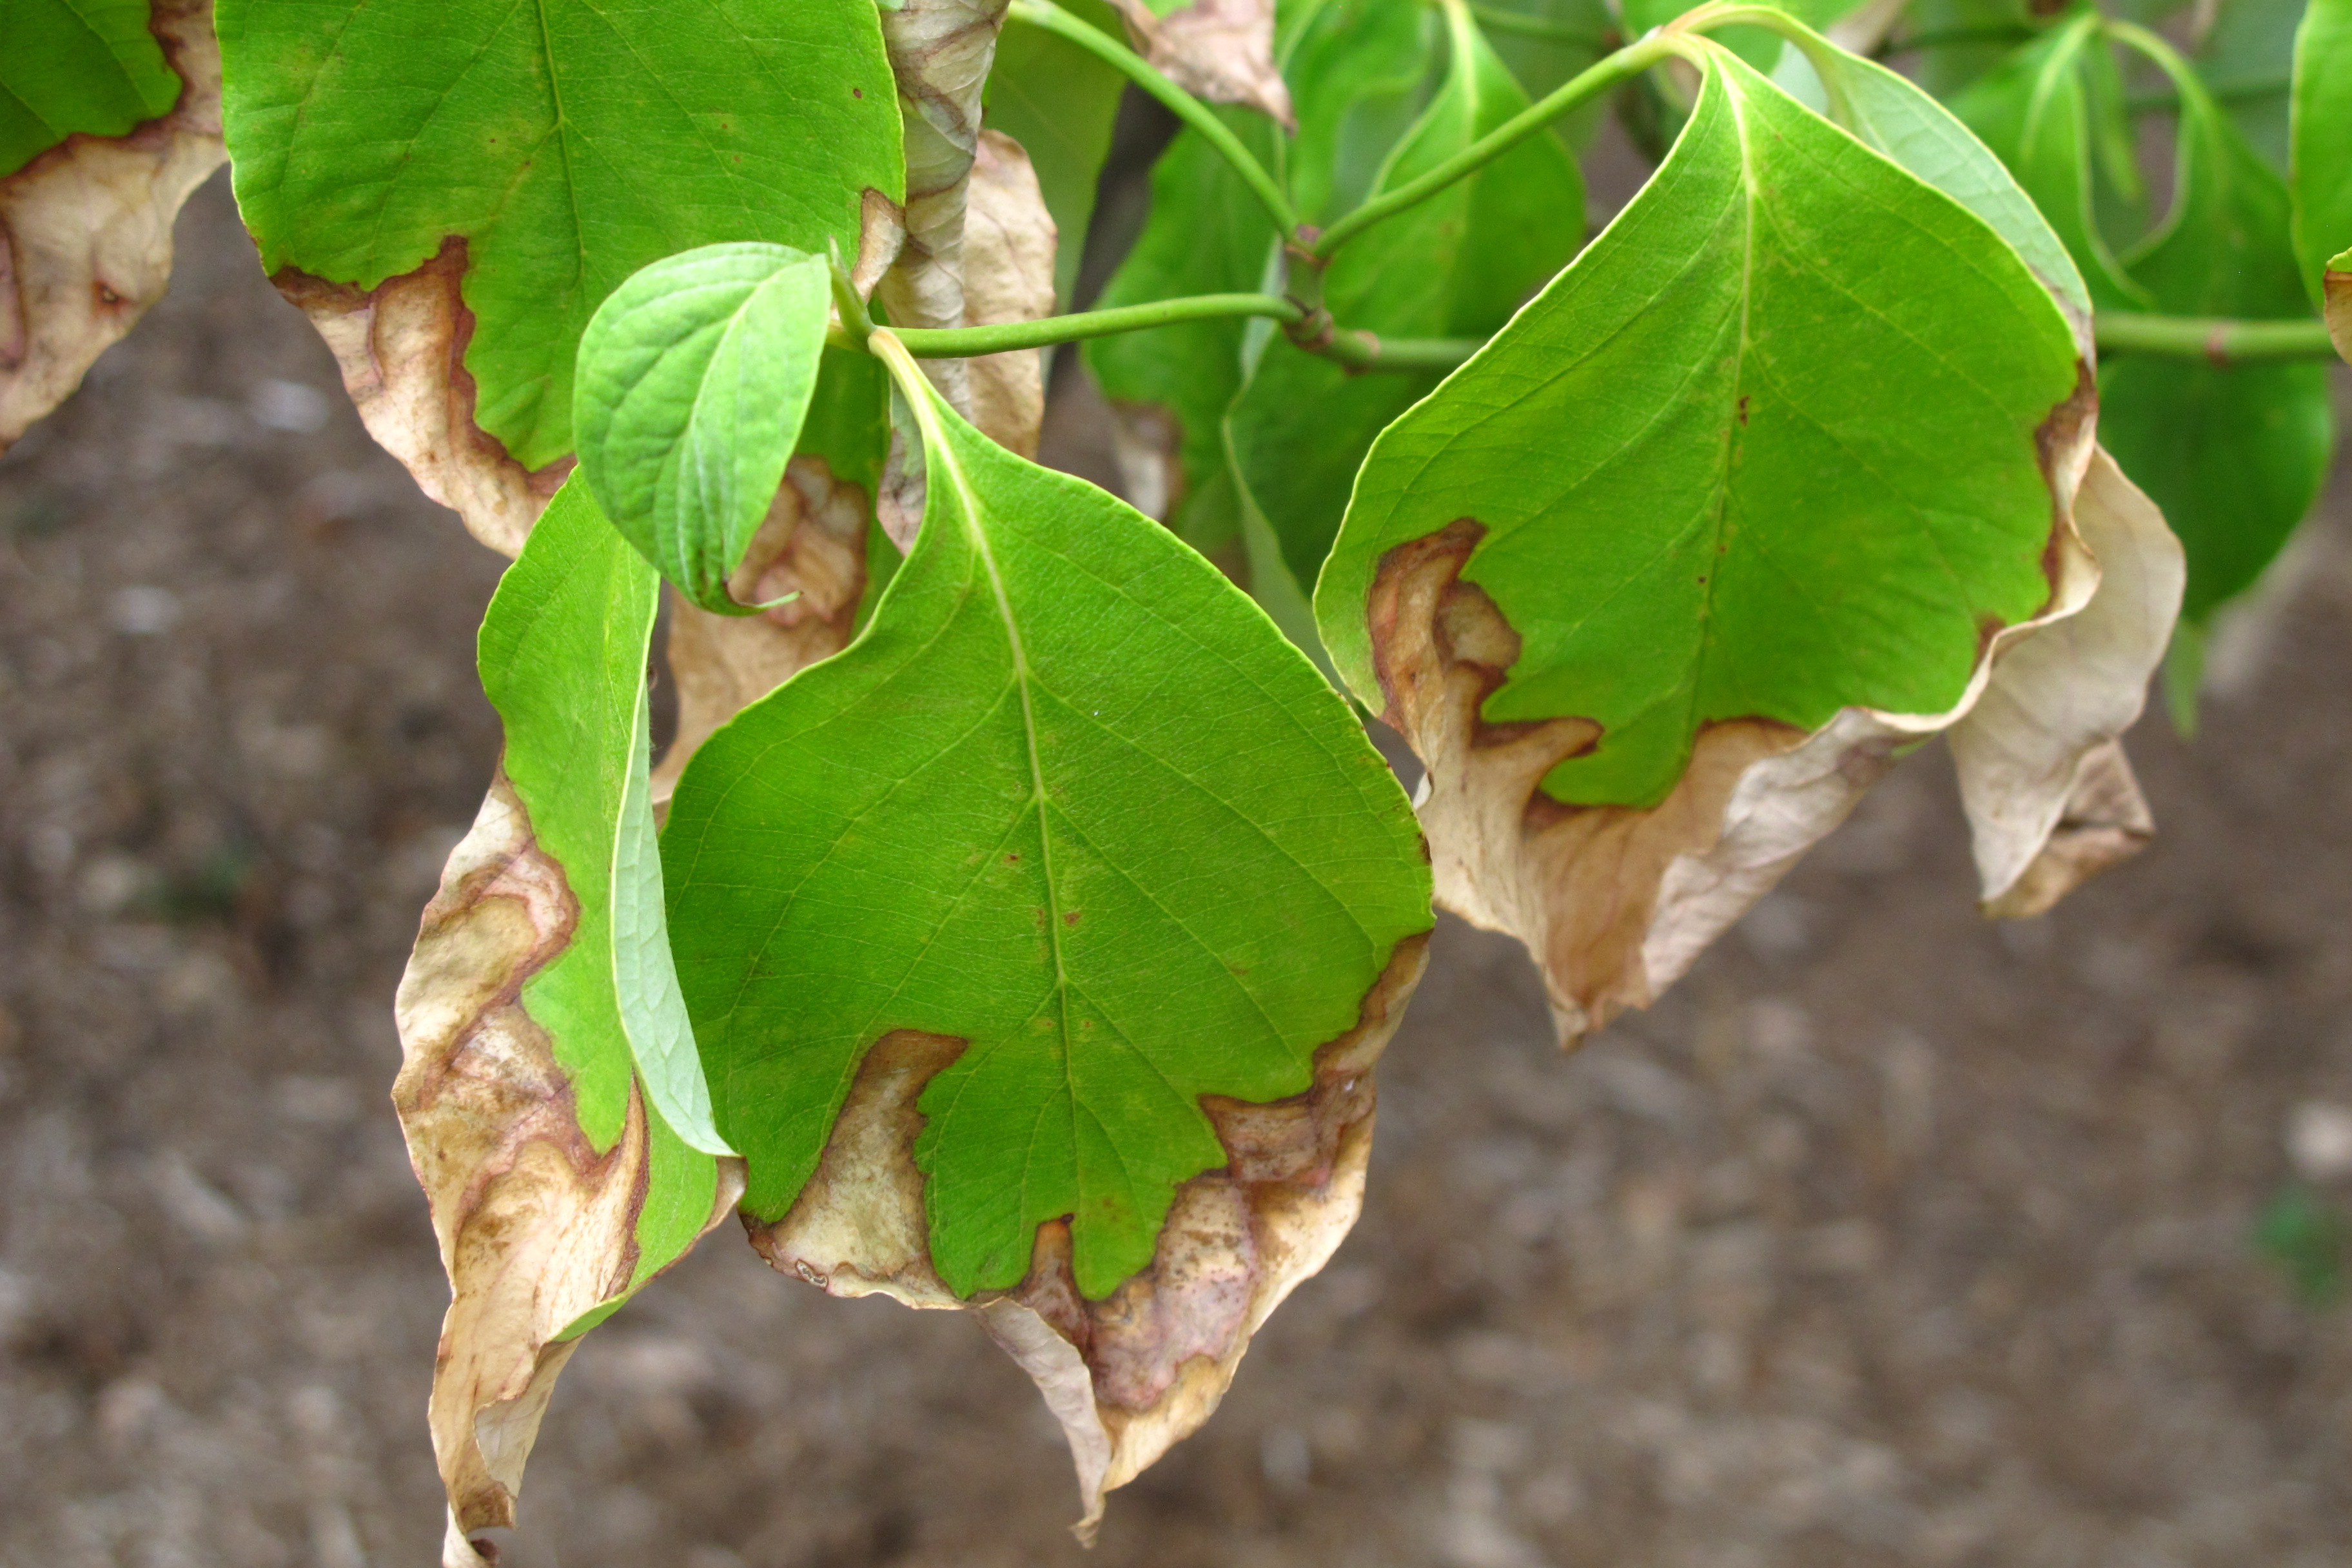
1818 49
2217 339
962 342
1627 62
1363 351
1052 18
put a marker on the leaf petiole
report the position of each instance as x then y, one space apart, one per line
2217 338
1052 18
961 343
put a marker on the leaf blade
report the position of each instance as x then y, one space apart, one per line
695 377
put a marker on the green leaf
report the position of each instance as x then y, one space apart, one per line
76 66
1454 266
2321 177
1890 115
1060 102
2234 455
564 652
1545 42
550 1091
694 378
2037 113
565 145
1358 71
1207 235
1070 799
2247 63
1722 469
1355 69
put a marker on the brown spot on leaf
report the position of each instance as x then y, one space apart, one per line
535 1226
401 347
1129 1375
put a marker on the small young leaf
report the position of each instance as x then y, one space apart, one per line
1661 579
2321 156
2235 455
534 159
694 378
110 115
549 1091
87 68
2036 111
1456 264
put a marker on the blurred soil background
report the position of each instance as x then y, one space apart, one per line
1890 1238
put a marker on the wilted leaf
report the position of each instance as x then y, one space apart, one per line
1008 276
693 380
110 115
2049 796
2234 455
1454 266
1221 50
553 1103
1663 578
1061 103
413 185
2038 112
1138 903
2322 144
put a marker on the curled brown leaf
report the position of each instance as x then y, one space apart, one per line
1008 276
1222 50
1131 1375
86 227
941 51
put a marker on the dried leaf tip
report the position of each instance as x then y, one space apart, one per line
1132 1374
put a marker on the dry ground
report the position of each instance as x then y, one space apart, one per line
1890 1238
